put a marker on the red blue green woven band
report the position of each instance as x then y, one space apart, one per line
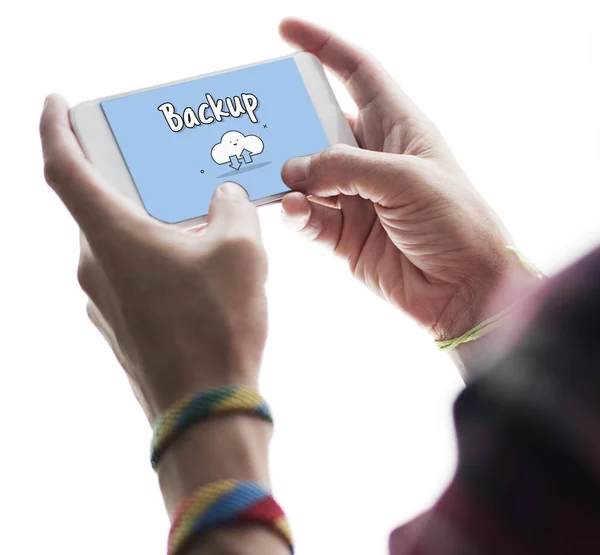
224 503
199 406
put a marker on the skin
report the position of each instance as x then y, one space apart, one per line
399 209
182 312
187 311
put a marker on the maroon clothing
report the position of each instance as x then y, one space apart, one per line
528 428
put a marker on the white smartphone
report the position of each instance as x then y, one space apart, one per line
169 147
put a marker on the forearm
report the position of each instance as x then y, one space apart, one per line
221 448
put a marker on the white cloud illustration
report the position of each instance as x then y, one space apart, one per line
233 143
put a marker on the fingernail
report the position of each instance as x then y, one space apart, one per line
231 188
296 170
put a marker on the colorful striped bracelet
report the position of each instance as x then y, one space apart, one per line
202 405
225 503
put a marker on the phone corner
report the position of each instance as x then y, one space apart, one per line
76 111
308 57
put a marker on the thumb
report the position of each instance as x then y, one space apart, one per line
232 214
377 176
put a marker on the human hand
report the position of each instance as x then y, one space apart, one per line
400 209
182 311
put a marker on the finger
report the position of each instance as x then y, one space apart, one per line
364 77
91 201
232 213
314 221
332 202
380 177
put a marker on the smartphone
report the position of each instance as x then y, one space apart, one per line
168 147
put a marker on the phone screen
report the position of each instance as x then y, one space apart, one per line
181 141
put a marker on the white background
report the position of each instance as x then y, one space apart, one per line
362 399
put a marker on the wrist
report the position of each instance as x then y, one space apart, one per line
240 540
160 387
500 290
231 446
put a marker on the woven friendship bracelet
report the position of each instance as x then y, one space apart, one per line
478 331
224 503
202 405
494 322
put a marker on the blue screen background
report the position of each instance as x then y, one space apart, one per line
174 172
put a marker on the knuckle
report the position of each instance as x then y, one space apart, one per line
335 154
84 277
52 171
59 170
331 164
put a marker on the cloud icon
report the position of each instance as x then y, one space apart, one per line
233 143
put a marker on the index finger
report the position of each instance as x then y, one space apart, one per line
92 202
365 79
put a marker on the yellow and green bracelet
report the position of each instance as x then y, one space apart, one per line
495 321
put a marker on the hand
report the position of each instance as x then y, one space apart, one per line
399 209
182 311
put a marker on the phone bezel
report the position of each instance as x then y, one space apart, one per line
97 140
